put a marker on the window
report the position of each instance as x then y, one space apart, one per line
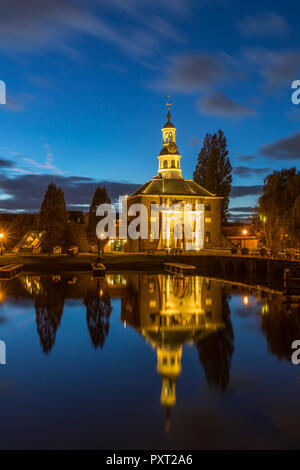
173 164
207 237
207 207
177 163
170 137
165 164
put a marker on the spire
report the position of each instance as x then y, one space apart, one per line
169 158
169 106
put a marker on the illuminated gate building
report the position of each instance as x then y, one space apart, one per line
170 189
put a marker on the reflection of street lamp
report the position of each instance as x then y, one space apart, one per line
1 237
244 232
102 237
245 300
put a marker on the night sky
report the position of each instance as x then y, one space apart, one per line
87 83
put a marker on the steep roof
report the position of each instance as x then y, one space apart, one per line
172 186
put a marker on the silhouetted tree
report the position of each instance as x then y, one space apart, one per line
215 351
53 217
277 218
72 235
100 197
213 170
98 310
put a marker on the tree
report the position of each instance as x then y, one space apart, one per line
276 220
53 217
100 197
213 170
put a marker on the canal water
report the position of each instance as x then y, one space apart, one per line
146 361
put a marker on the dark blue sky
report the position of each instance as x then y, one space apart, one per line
87 84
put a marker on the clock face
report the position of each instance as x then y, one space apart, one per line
172 147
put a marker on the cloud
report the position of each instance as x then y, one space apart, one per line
245 171
26 191
164 28
17 103
239 191
37 25
13 104
5 163
267 23
192 72
49 161
287 148
247 158
217 104
277 67
241 209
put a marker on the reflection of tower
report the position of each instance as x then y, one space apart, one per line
169 367
169 312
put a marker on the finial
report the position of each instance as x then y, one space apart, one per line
169 106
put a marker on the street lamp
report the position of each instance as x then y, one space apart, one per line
1 237
244 232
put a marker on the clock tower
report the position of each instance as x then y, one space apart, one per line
169 158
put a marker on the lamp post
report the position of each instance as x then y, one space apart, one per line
1 237
244 232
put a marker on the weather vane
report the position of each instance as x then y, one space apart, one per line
168 104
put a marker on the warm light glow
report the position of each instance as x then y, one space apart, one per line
245 300
245 232
1 235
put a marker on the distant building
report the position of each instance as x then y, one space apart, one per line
170 188
240 235
31 242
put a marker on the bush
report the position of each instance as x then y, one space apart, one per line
234 251
245 251
263 252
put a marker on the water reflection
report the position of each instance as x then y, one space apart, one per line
98 310
169 312
49 306
281 325
181 333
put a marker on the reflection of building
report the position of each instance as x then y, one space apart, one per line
169 312
169 188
